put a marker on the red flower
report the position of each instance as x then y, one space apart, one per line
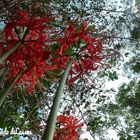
67 128
31 33
87 50
33 52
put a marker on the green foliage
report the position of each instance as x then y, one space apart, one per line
137 2
135 33
20 108
69 52
133 64
129 96
123 115
15 137
136 67
24 111
122 138
111 75
126 138
95 123
55 46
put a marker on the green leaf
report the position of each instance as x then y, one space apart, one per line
112 76
79 27
69 52
15 137
129 138
137 2
55 46
81 96
45 1
122 138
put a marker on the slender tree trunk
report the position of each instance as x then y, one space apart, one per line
9 52
5 94
50 127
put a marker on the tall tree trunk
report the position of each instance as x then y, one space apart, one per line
50 127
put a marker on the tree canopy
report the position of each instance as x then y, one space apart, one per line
99 38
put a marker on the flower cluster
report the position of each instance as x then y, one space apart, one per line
29 32
86 50
67 128
37 51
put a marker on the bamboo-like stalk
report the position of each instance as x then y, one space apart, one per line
5 94
50 127
3 77
10 51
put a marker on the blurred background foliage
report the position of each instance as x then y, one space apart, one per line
100 107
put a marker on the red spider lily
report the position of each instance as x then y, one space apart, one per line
67 128
32 52
87 50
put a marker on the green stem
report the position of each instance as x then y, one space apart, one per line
3 77
9 52
50 127
5 94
